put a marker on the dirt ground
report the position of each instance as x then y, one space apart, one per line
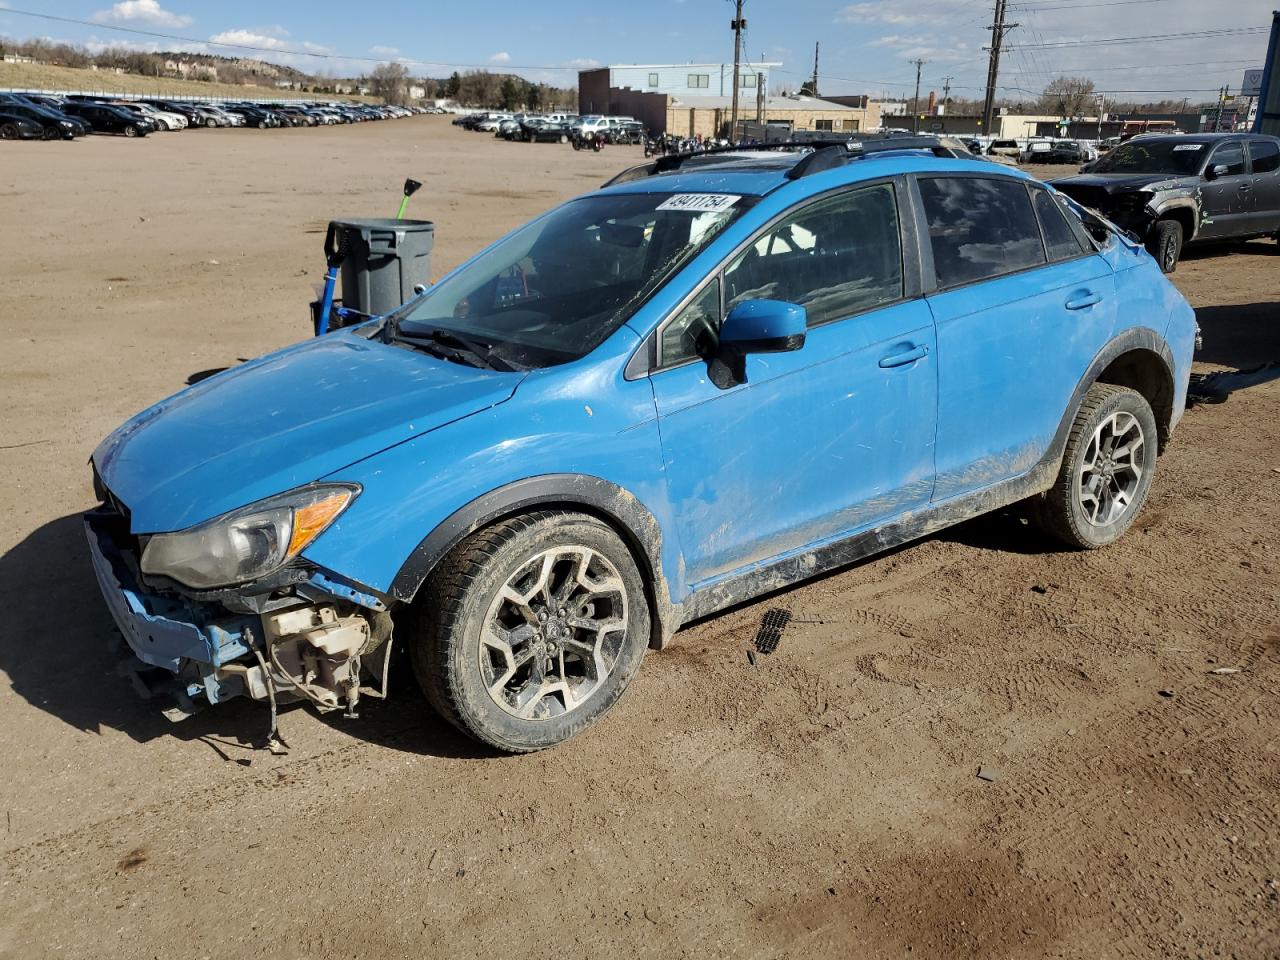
821 803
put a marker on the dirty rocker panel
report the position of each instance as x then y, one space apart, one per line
765 578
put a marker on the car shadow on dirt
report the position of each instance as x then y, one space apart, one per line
1242 337
60 649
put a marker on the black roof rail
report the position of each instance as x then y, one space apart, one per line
827 151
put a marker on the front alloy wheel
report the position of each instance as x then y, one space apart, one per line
554 633
529 630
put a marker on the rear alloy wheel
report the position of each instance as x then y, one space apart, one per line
530 630
1106 472
1166 244
8 131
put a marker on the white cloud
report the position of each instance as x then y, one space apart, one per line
582 63
891 12
502 57
248 38
384 51
142 11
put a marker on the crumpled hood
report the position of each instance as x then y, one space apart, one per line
1113 183
281 421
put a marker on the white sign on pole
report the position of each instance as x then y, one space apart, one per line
1252 86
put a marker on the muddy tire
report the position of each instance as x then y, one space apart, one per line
529 630
1106 472
1166 244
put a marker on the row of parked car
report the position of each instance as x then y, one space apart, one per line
554 127
1072 152
41 116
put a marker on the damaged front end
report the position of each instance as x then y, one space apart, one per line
1136 207
299 634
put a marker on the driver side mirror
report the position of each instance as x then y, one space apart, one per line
756 326
1216 171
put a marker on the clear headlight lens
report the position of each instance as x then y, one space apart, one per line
248 543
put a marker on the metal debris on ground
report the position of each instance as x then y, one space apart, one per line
988 774
1168 694
751 657
1225 670
771 628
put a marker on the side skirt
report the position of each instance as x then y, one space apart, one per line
780 574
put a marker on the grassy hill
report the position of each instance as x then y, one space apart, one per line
34 76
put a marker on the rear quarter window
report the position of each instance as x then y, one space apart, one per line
979 228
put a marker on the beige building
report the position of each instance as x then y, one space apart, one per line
685 116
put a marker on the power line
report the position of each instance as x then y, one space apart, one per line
1046 6
1229 32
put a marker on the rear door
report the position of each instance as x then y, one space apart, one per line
1264 156
1021 307
1228 201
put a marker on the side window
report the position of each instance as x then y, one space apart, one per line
979 228
1265 155
695 329
1060 240
835 257
1231 156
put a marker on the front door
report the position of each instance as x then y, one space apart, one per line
831 438
1228 201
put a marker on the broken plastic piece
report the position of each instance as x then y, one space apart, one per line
771 628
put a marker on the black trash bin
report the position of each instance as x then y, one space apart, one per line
383 261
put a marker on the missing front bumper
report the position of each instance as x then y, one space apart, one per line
187 654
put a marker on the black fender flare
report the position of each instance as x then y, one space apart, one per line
1135 338
592 495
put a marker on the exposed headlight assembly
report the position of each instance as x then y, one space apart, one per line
250 542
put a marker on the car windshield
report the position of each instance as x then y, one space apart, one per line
556 288
1170 155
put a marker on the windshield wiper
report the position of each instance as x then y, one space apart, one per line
455 345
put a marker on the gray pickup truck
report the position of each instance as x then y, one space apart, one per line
1173 190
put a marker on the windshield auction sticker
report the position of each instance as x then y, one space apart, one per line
1187 146
699 202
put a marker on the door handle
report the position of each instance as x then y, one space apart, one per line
1086 298
902 359
1245 187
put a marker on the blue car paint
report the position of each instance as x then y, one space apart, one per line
848 443
282 421
1009 357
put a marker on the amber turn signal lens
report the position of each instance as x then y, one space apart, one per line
310 521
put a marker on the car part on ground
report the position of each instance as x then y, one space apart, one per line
538 500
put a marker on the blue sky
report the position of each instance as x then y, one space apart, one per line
867 46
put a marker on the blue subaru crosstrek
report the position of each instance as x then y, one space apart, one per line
715 377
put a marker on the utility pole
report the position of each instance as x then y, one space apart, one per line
946 92
998 29
761 94
813 85
738 26
1217 120
915 101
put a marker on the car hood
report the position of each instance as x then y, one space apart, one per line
281 421
1113 183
